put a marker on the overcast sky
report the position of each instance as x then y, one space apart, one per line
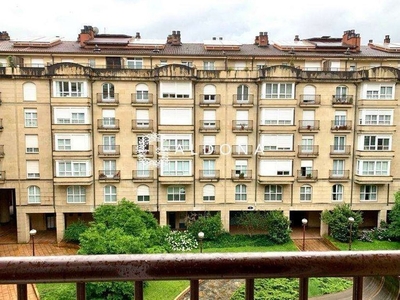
238 20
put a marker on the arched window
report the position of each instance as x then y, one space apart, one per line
210 93
143 193
108 91
110 194
242 93
209 192
273 192
337 192
305 193
309 94
29 89
33 194
142 92
241 192
341 94
76 194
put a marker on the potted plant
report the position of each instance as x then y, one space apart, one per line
241 175
102 176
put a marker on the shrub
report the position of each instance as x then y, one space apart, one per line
181 241
211 225
73 231
394 219
278 227
367 235
251 220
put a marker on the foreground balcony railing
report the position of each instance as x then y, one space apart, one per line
249 266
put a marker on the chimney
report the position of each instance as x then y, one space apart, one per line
87 33
350 38
296 38
4 36
387 39
262 39
137 35
370 42
175 38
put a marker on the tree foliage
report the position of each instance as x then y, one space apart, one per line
338 222
394 219
252 221
74 230
211 225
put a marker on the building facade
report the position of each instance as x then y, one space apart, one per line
179 128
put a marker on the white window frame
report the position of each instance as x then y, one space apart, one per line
368 192
209 65
176 168
34 194
373 167
76 194
375 142
71 115
72 142
176 194
70 88
110 194
31 143
306 193
108 91
134 63
69 168
29 89
241 192
143 193
142 93
208 193
378 91
277 116
32 169
278 90
176 142
275 167
376 117
337 192
176 90
277 142
31 117
273 193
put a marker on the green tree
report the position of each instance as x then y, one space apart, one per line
338 222
121 229
73 231
251 220
394 219
277 225
211 225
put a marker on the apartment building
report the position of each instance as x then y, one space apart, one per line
220 126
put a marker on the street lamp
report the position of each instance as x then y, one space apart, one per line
32 233
304 222
351 221
201 237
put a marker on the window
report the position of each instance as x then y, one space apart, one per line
143 193
340 118
142 118
70 89
32 169
306 168
109 143
373 167
142 93
240 167
341 94
305 193
241 192
242 93
31 119
187 63
134 63
209 168
377 91
113 62
143 169
275 167
33 194
307 144
72 168
279 91
176 168
209 119
176 142
168 116
110 168
338 168
277 142
29 91
76 194
72 142
208 65
71 115
176 194
108 118
337 192
210 93
273 192
37 63
277 116
91 63
375 142
32 143
312 66
339 143
376 117
368 192
177 90
108 91
110 194
209 192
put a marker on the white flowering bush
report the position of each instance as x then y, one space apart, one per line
181 241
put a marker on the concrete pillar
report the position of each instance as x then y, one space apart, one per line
163 218
382 216
60 226
225 219
324 228
4 211
23 227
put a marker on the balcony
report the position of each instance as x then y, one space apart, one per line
110 175
344 126
2 151
339 175
73 180
342 101
243 100
276 179
108 125
140 99
307 175
242 151
208 175
142 175
372 179
308 126
209 151
210 100
310 100
107 100
340 151
209 126
241 175
242 126
142 125
108 151
139 268
147 151
308 151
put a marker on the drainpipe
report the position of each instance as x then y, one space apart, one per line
93 144
353 158
256 144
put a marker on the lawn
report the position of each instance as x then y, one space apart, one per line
365 246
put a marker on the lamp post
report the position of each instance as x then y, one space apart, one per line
201 237
351 221
32 234
304 222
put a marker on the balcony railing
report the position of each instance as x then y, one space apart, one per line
209 125
241 175
209 150
340 150
140 99
308 125
146 150
305 175
109 175
209 175
310 100
242 126
138 268
107 99
308 151
142 125
109 150
342 100
340 125
242 150
339 174
108 124
210 100
145 175
243 100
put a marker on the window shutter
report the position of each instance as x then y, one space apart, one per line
108 113
210 90
29 91
31 141
142 114
209 115
32 167
242 115
176 116
143 190
208 190
209 140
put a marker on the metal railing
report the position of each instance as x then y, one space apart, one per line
107 99
81 269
